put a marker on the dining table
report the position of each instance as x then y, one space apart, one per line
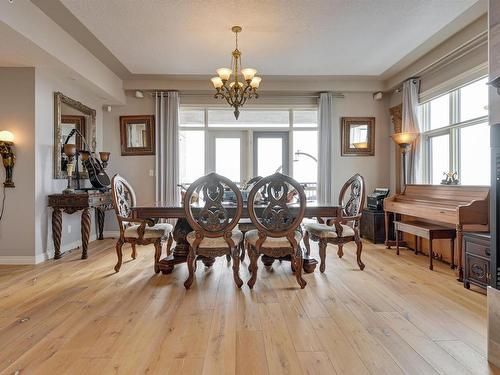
160 210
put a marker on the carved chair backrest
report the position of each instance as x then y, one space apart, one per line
208 216
123 199
277 216
352 196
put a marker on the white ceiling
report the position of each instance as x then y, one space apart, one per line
280 37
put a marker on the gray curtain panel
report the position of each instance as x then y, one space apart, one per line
167 147
410 124
326 193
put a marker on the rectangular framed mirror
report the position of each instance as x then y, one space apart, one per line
358 136
137 135
70 115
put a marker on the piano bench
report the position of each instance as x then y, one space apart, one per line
430 232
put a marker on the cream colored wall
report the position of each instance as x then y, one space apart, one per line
17 114
134 168
48 82
375 169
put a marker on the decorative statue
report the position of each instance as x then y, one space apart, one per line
450 178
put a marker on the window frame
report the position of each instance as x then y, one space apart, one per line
247 173
452 129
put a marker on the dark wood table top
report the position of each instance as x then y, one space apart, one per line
161 210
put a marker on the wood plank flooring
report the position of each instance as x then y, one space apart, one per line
75 316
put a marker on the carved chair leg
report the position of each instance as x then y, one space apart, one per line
252 253
242 251
157 256
169 243
359 249
191 263
298 263
340 251
236 266
134 253
322 254
306 242
119 245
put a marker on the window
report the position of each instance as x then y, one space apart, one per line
456 135
211 139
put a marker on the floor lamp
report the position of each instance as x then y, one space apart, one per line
404 140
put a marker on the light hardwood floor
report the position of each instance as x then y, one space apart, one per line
77 316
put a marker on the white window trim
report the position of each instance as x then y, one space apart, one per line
249 130
453 130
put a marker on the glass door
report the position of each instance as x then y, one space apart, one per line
270 153
227 154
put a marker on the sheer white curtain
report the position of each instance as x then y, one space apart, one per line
167 147
410 124
326 193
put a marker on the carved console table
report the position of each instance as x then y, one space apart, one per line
80 201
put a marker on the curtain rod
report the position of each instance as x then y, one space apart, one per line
263 95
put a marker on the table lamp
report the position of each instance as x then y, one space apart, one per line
8 156
104 156
404 140
70 152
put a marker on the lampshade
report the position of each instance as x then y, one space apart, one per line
224 73
255 82
217 82
85 155
69 149
104 156
404 138
6 136
248 73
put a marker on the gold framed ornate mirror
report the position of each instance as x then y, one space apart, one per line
69 115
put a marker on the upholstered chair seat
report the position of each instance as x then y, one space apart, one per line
328 231
156 231
217 242
136 231
271 242
352 199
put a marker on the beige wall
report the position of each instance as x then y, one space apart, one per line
134 168
17 114
48 82
375 169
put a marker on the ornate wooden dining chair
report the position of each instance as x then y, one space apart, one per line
277 224
136 231
213 225
343 229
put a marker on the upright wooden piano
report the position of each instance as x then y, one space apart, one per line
465 207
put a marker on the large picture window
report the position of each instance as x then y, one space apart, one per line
261 141
456 135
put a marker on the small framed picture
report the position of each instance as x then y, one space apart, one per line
137 135
358 136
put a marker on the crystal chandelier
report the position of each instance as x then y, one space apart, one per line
240 90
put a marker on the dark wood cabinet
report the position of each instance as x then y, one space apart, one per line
372 226
477 269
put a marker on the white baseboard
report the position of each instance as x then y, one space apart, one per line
39 258
19 260
111 233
